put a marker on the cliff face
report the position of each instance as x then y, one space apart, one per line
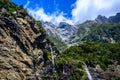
21 48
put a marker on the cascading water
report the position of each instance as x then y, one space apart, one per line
87 71
52 55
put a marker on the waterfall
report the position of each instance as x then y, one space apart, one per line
87 71
53 56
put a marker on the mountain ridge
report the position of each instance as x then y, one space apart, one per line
28 53
70 34
111 19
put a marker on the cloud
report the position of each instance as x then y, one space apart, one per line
55 17
82 10
39 14
89 9
28 2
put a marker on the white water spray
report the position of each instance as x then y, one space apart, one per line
87 71
53 57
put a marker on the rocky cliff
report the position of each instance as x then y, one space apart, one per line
22 45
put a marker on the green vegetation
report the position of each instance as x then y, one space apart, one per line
47 54
50 41
107 33
92 53
42 30
57 43
8 5
10 9
104 33
71 60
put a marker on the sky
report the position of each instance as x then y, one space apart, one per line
70 11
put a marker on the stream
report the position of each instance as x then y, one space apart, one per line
53 56
87 71
53 62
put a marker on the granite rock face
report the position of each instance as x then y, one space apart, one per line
24 45
21 48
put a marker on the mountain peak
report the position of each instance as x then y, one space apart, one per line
115 19
112 19
101 19
118 14
63 25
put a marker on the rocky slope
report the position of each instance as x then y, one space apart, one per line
62 31
111 19
73 34
101 29
90 61
26 53
60 34
23 45
54 35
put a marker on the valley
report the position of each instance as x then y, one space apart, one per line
39 50
101 29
